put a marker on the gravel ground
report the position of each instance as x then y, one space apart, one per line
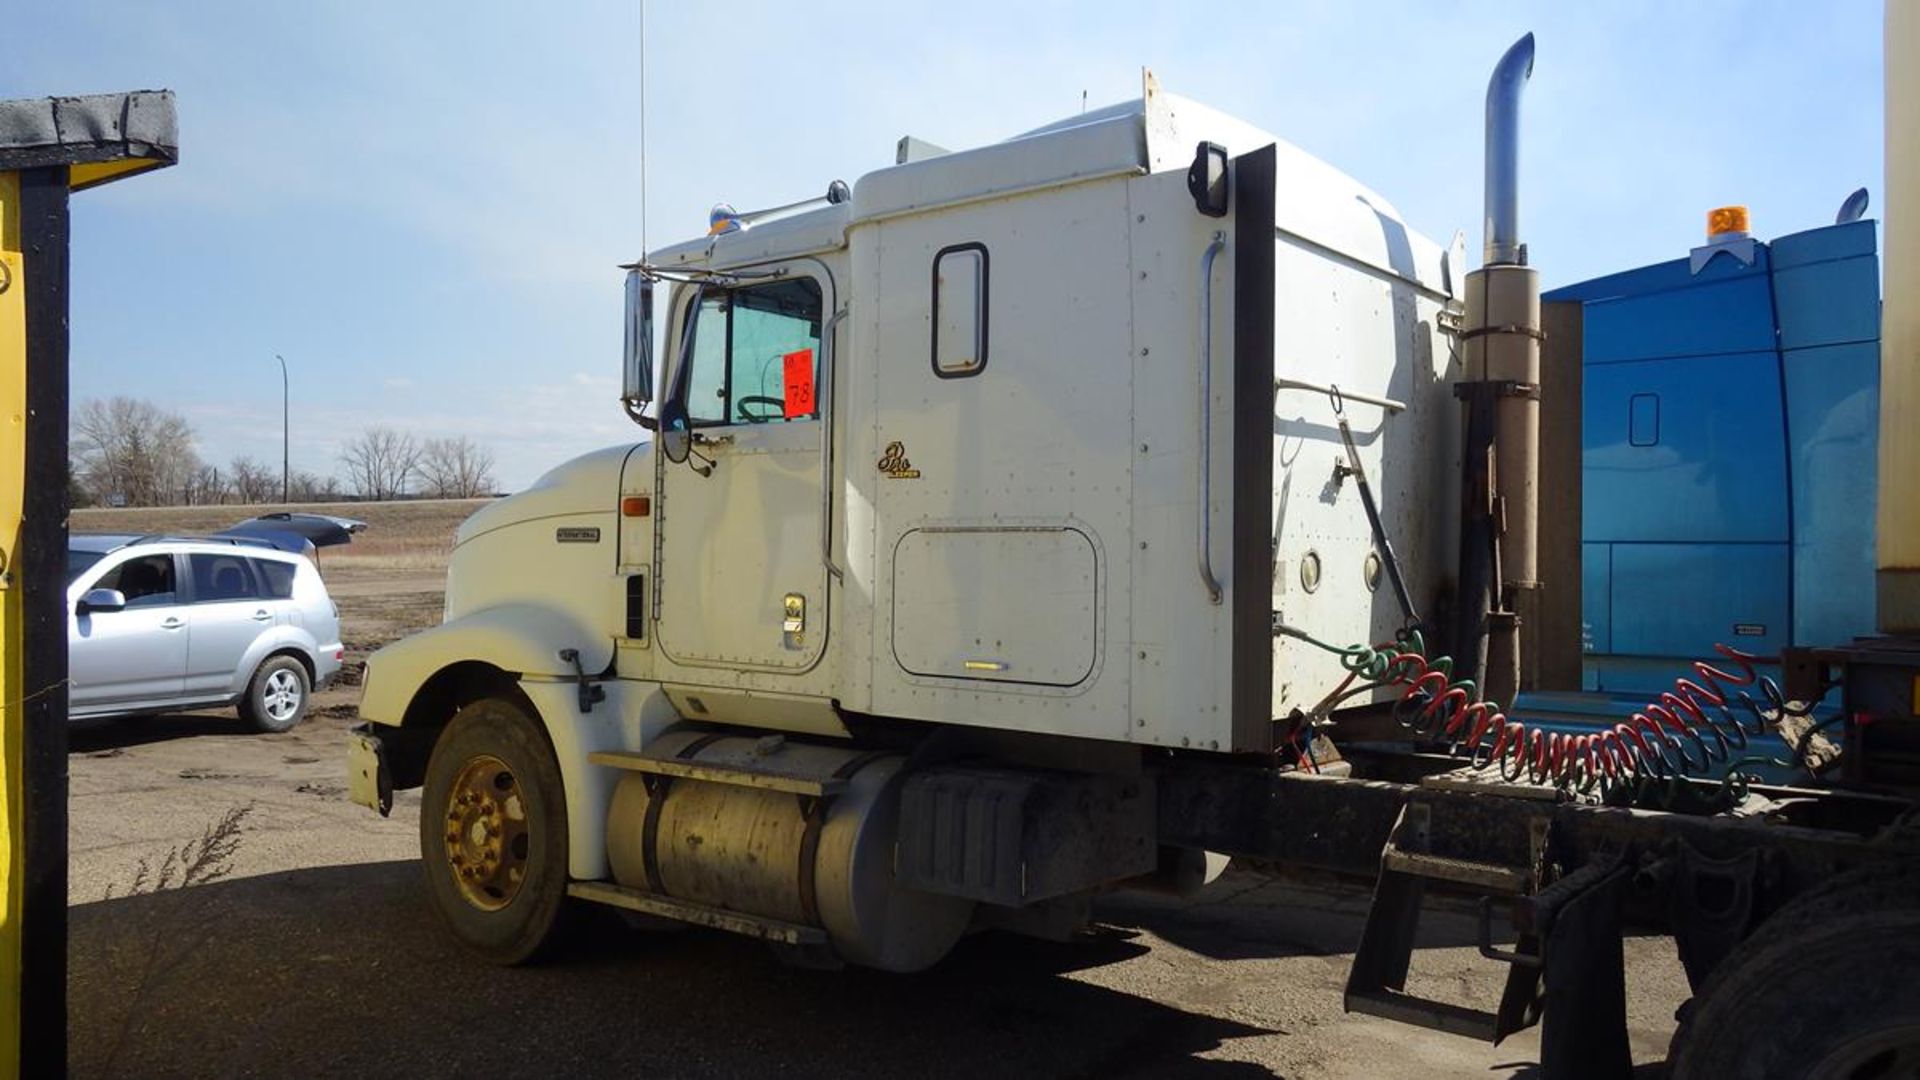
316 955
303 945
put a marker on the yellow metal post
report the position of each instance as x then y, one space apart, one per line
13 450
48 147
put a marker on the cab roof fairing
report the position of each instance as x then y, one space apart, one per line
1318 204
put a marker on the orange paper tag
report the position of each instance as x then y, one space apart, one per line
799 379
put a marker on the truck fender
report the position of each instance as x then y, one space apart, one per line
523 639
614 724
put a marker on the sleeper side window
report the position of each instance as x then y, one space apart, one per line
960 311
755 354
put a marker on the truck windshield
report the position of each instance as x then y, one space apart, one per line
755 355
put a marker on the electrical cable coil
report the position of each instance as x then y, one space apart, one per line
1682 733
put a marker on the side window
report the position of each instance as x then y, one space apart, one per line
145 582
707 368
959 311
755 355
222 577
276 578
1643 420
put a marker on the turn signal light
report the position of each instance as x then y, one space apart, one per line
636 506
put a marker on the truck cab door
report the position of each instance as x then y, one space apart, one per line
742 581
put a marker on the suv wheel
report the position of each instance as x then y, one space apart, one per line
276 699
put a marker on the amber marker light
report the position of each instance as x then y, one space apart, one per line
636 506
1726 219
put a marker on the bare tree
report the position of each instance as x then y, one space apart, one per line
306 487
205 487
380 462
456 468
252 482
133 453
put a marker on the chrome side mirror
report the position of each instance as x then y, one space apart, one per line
636 384
100 600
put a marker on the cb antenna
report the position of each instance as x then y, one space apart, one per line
643 129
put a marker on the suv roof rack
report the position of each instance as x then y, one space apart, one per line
237 541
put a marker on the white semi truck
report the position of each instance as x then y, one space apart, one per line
1003 526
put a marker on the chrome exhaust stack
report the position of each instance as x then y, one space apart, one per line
1510 75
1898 529
1499 564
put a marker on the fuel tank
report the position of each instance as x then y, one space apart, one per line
815 860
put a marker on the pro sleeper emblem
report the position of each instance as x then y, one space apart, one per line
894 463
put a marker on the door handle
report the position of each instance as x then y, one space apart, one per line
262 615
171 623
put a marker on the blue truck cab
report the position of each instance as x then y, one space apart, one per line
1730 407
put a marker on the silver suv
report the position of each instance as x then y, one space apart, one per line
158 623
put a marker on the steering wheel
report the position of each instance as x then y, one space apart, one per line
779 405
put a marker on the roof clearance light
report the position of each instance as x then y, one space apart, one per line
1726 223
722 219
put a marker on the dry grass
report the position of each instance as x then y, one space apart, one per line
410 536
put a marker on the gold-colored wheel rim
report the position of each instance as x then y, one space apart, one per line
486 833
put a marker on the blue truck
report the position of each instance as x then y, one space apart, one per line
1730 404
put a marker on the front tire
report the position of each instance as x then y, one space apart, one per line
276 697
493 832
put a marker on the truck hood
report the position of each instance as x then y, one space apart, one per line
587 483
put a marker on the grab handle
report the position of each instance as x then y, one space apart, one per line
826 441
1206 416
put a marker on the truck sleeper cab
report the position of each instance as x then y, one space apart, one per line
1002 536
974 494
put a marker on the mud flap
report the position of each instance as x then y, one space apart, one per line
369 780
1583 1032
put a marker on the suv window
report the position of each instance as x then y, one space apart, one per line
222 577
78 561
756 354
276 577
146 581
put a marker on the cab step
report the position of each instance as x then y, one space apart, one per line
1376 984
818 787
1566 972
686 911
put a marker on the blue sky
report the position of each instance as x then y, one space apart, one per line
422 205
